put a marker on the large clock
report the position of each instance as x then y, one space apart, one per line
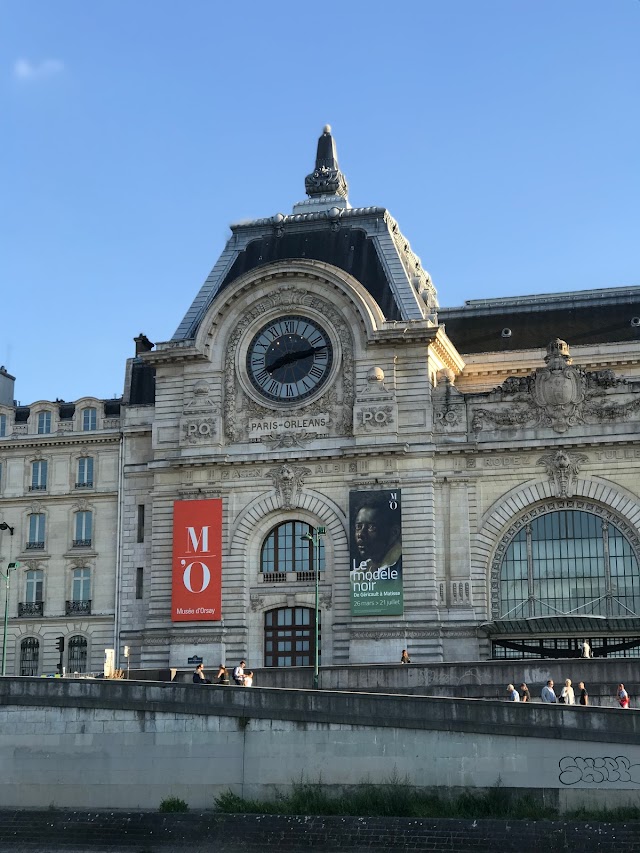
289 359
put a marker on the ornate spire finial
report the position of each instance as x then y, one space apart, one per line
326 178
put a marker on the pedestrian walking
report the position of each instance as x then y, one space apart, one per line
404 657
623 696
585 649
512 693
525 695
548 695
584 696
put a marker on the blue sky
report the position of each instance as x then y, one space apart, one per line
502 135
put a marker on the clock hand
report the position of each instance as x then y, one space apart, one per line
290 357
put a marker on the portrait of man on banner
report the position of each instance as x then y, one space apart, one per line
376 553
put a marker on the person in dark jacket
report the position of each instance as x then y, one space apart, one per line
198 675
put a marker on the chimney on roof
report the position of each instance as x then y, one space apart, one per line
7 382
143 344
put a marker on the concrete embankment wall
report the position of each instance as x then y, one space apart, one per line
471 680
114 744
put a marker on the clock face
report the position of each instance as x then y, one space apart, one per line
289 359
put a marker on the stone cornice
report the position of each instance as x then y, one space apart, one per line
64 440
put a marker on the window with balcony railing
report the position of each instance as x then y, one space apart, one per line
84 479
38 475
83 529
80 607
80 591
35 542
30 608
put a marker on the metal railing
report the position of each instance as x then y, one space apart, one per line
78 607
30 608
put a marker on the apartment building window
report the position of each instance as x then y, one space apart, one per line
38 476
77 654
83 529
44 423
140 523
36 532
33 604
89 419
139 581
29 656
81 585
84 479
35 582
3 426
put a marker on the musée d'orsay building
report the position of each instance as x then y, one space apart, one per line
465 481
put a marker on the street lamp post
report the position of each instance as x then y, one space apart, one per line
6 576
315 540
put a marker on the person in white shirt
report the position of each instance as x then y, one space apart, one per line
238 673
567 695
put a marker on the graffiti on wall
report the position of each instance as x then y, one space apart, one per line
596 771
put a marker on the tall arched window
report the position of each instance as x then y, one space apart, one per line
569 562
289 637
286 550
29 656
77 654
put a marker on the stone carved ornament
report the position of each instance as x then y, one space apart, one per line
289 297
557 396
448 403
288 481
562 468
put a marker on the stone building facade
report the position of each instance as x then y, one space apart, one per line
59 479
485 419
458 482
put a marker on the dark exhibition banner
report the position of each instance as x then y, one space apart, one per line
375 575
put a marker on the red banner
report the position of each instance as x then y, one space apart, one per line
196 588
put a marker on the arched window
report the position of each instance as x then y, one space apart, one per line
29 656
569 562
289 637
77 654
286 550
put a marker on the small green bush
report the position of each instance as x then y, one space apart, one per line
173 804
